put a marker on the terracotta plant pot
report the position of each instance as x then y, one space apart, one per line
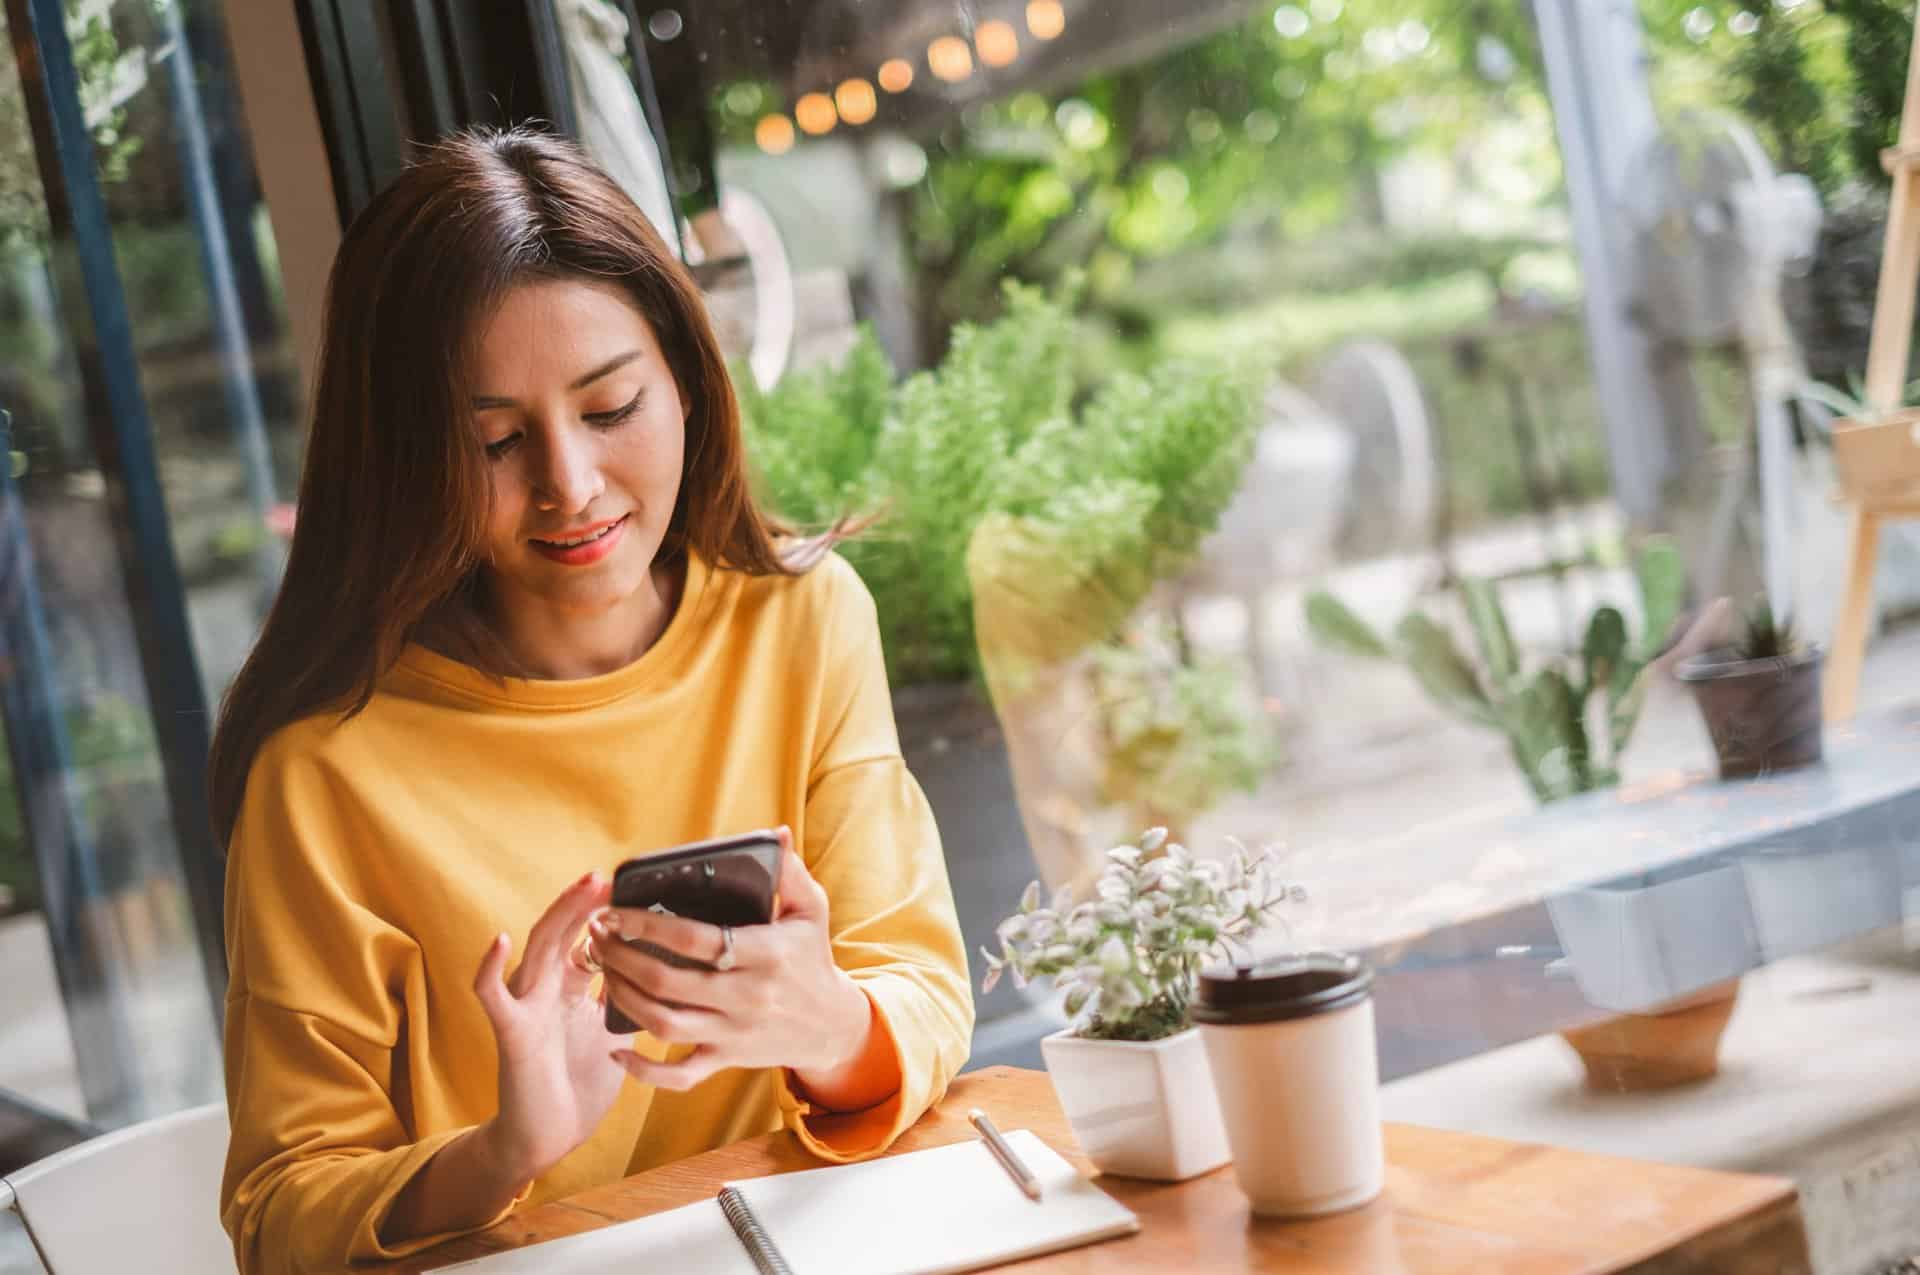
1633 1053
1763 715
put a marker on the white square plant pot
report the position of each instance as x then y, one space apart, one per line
1140 1109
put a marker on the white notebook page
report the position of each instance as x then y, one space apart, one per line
691 1240
934 1212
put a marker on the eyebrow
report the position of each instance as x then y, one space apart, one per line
482 402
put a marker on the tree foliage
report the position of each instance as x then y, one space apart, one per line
1272 130
1821 80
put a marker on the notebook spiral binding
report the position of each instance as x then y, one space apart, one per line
753 1236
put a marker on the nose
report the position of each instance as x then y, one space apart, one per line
567 478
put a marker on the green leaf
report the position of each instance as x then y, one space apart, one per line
1663 591
1334 625
1626 696
1443 672
1604 649
1490 632
1836 400
1548 739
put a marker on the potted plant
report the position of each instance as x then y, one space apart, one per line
1876 449
1114 489
1130 1070
1760 697
1567 724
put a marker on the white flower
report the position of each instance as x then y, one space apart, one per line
1013 929
1126 856
1152 839
1030 897
1115 956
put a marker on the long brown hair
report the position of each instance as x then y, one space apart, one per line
394 495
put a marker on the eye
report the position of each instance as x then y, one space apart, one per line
501 446
620 413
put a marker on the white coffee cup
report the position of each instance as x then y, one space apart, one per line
1290 1043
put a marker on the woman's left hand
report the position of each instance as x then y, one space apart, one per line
784 1003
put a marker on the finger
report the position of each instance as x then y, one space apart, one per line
658 978
552 935
695 940
684 1074
488 983
670 1024
799 893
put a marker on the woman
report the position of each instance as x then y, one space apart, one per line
532 625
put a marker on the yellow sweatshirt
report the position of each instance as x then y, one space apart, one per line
373 861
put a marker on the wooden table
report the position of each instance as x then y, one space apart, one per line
1455 1204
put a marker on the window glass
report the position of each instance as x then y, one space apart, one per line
1320 423
108 1013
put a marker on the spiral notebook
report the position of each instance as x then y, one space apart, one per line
935 1212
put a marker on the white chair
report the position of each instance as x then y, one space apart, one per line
143 1198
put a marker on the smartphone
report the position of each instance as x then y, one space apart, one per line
725 881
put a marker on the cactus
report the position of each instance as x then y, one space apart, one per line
1544 713
1764 638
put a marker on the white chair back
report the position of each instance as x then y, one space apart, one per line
144 1198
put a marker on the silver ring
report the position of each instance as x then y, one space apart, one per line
725 961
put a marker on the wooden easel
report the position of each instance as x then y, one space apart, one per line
1883 479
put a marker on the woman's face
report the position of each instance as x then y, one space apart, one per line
584 432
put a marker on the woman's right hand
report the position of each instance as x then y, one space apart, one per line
557 1076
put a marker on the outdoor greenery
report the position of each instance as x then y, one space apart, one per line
1821 79
107 738
1238 192
104 69
1129 956
1115 489
1544 712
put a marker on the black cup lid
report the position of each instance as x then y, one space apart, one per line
1281 987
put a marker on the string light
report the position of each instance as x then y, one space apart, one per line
815 113
896 75
998 44
1046 19
774 134
856 101
949 58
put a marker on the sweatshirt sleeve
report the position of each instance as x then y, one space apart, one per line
317 1004
870 840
